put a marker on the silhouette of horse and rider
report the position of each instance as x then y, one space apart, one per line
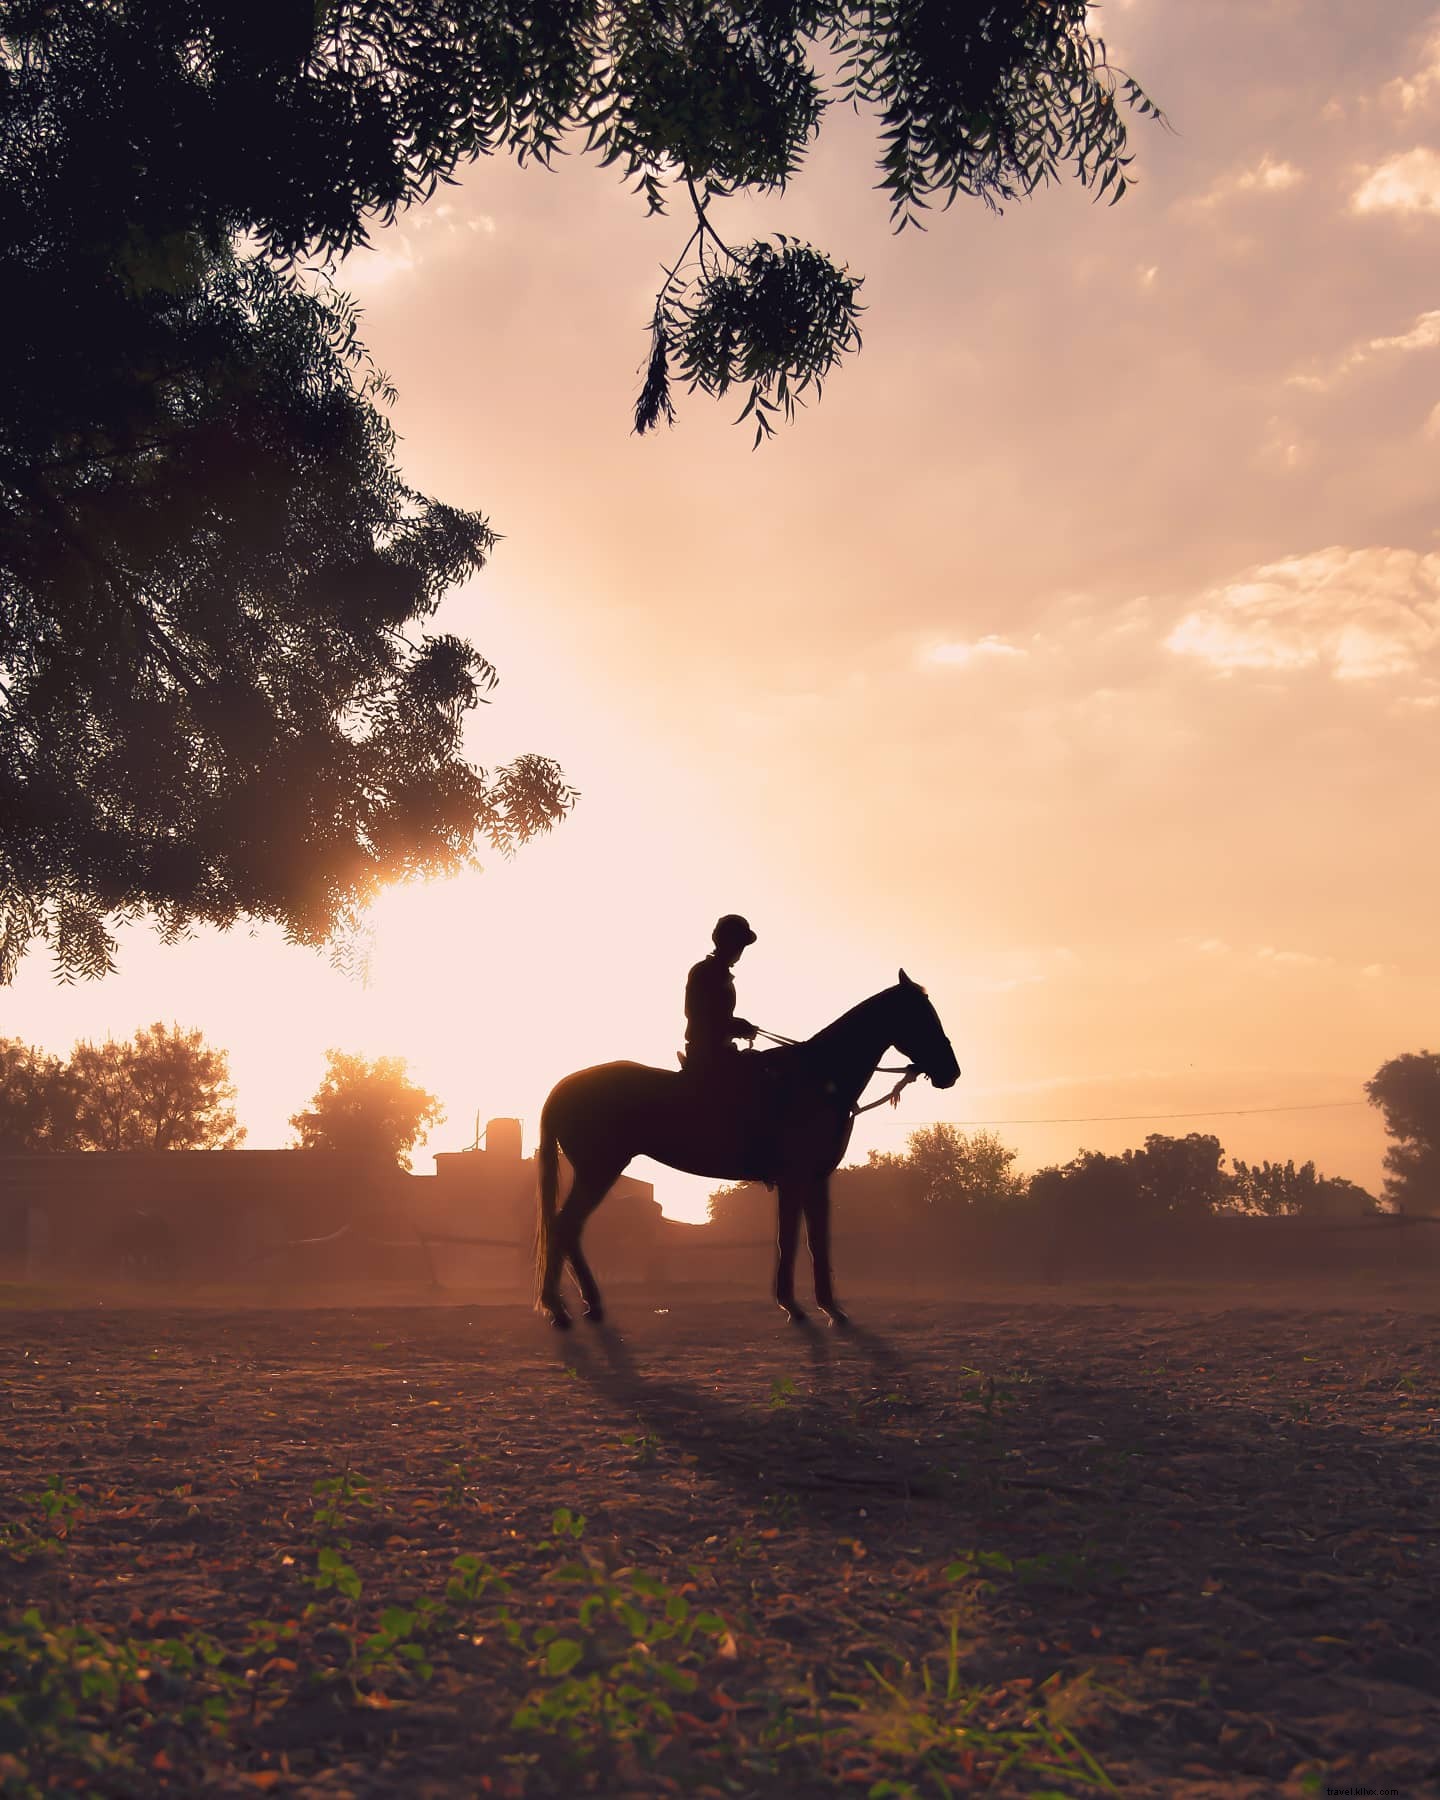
782 1116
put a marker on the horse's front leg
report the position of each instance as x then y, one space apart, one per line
789 1236
817 1231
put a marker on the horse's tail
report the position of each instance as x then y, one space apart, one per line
547 1166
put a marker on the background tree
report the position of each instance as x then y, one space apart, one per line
1180 1175
1407 1091
367 1106
959 1170
166 1089
944 1174
37 1100
1277 1190
1091 1195
216 697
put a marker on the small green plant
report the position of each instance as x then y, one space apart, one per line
987 1392
55 1510
1077 1572
66 1690
643 1446
783 1508
336 1498
457 1478
782 1393
334 1575
928 1719
607 1679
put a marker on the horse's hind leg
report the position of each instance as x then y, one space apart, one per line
583 1199
788 1238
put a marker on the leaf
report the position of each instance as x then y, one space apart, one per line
562 1656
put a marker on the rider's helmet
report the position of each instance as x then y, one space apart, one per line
732 933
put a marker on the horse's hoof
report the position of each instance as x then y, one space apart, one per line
837 1316
559 1318
595 1315
795 1314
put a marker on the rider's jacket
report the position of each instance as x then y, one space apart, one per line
709 1012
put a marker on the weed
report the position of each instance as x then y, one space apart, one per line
457 1478
987 1393
782 1393
57 1509
783 1508
932 1722
607 1679
335 1497
1049 1568
643 1446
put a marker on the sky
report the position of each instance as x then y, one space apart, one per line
1078 651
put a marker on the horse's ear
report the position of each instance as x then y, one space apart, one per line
905 980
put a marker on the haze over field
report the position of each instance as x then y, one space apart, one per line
1080 650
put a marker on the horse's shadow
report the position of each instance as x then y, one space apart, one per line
818 1444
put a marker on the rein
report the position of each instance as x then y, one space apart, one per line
907 1072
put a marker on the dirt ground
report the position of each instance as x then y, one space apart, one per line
1184 1543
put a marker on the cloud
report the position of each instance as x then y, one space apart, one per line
1359 615
962 655
425 233
1268 176
1415 92
1408 183
1288 959
1424 334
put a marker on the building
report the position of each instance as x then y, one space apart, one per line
480 1211
298 1217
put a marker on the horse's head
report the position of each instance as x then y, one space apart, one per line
919 1035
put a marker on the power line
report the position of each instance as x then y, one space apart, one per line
1231 1112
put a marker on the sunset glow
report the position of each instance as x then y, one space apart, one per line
1079 651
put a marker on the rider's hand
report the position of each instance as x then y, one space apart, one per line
743 1028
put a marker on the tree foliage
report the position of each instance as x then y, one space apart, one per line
372 1107
37 1100
163 1089
1407 1091
217 698
958 1169
1180 1175
1280 1190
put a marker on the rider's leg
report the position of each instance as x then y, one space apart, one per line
789 1237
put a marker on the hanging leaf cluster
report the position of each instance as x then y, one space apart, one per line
776 316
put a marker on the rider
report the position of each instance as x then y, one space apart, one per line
710 1023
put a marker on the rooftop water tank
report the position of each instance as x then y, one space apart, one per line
502 1139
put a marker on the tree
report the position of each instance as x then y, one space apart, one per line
959 1170
1278 1190
1407 1091
1096 1194
370 1107
211 704
166 1089
37 1099
1180 1175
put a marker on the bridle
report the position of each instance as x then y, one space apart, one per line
908 1072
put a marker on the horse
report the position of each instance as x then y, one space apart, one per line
789 1128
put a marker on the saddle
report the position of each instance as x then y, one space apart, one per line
748 1086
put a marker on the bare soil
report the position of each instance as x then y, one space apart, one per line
1196 1532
